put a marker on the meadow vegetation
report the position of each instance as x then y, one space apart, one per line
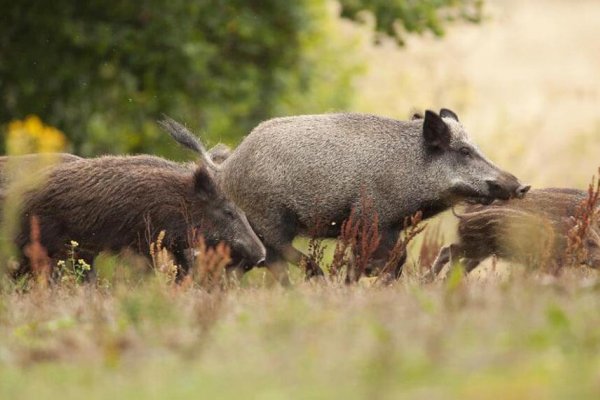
138 332
527 336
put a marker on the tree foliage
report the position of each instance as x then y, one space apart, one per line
397 17
104 71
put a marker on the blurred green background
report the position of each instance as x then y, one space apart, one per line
102 72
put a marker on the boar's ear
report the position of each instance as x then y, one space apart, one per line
435 131
204 184
445 113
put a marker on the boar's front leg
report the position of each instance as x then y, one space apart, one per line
441 260
445 255
184 259
277 231
471 263
452 253
277 260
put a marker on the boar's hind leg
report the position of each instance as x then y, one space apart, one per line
383 254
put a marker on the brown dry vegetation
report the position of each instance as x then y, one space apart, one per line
528 337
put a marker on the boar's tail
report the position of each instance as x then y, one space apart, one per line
185 138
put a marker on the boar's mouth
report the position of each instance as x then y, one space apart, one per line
464 192
495 191
484 200
240 262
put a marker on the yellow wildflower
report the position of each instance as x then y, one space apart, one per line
31 135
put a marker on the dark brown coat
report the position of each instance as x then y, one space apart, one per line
112 203
532 230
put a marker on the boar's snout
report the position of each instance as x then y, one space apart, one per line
497 190
251 252
506 187
522 190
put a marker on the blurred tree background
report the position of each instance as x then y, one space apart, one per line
103 71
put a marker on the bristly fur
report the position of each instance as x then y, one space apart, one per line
112 203
533 230
289 172
286 166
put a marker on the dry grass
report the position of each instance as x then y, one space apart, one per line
37 256
433 241
586 217
530 337
397 258
354 254
358 240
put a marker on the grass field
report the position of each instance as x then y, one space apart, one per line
528 336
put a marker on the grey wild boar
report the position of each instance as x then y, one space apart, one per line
112 203
291 174
532 231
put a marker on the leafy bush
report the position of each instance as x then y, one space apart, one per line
104 71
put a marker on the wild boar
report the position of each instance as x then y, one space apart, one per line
532 231
112 203
291 174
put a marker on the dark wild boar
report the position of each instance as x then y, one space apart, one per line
111 203
532 231
291 174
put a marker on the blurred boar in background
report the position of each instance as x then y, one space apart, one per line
533 231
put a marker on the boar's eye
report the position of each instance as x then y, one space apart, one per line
229 213
465 151
592 243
